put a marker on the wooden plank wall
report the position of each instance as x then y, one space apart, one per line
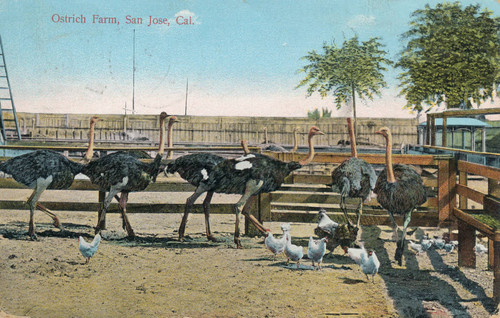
211 129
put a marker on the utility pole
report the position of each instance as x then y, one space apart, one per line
186 103
133 76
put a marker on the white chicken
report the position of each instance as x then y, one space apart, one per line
370 264
355 253
439 243
89 249
426 244
276 246
480 249
293 252
316 249
416 247
325 223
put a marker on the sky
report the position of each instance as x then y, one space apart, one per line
239 58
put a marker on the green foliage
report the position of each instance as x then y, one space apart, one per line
354 68
452 55
314 114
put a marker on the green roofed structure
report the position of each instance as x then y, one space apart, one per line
461 132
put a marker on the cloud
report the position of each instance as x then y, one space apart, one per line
187 14
360 21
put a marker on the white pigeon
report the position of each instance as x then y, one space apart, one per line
480 249
89 249
416 247
276 246
293 252
325 223
370 264
316 249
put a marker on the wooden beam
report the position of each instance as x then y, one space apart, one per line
475 223
467 193
462 179
466 244
444 194
480 170
216 208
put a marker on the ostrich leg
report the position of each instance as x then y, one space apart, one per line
359 212
189 206
206 210
105 205
123 205
251 188
102 196
394 227
401 243
56 223
32 202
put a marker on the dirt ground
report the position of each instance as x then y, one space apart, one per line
157 276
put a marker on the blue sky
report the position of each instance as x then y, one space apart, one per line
241 57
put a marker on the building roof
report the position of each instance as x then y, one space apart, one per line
459 122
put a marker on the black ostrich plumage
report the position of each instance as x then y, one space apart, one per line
28 168
113 169
403 196
354 178
231 176
190 167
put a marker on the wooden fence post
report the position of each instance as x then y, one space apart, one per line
445 178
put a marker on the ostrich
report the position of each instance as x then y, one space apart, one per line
195 168
121 172
399 190
250 175
353 178
90 150
295 140
45 169
140 154
171 122
271 146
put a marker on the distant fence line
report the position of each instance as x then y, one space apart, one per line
212 129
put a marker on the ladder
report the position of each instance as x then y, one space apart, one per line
7 103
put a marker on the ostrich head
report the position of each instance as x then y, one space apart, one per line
163 115
172 120
315 131
384 131
95 119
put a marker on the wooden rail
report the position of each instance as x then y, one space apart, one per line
485 220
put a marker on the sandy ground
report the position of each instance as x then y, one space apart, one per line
157 276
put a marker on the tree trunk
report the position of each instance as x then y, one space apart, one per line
354 111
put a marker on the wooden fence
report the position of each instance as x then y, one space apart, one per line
210 129
299 198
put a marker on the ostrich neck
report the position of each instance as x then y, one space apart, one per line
295 142
388 160
352 136
161 148
310 155
90 150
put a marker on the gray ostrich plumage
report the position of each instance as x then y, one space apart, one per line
40 170
194 168
46 169
249 175
399 190
353 178
123 172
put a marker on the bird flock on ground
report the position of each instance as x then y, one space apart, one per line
399 189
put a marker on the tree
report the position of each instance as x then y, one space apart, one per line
452 56
314 114
354 68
